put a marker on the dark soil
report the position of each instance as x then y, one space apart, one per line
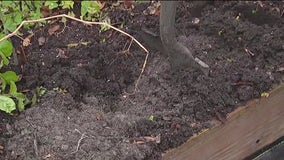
96 118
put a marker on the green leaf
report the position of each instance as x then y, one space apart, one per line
84 7
3 81
22 100
13 88
105 27
12 21
5 60
34 100
19 95
90 7
21 105
8 3
7 104
51 4
67 4
10 76
1 63
6 47
35 14
41 91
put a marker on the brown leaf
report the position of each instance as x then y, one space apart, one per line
53 29
128 3
45 11
101 4
27 40
153 9
156 139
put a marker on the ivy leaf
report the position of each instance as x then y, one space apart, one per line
7 104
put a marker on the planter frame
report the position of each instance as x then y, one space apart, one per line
246 130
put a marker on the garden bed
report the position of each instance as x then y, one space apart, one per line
89 112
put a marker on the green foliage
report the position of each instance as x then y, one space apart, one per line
51 4
91 11
7 104
12 13
6 49
67 4
40 91
89 8
9 78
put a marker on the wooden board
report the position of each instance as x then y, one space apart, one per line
246 131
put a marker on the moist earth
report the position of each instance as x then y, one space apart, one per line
90 110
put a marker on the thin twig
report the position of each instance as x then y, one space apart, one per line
88 23
142 71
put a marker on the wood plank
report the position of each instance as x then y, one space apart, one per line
245 132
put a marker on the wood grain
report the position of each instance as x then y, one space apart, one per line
247 130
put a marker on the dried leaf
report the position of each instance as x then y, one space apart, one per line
128 4
26 42
45 11
154 9
53 29
264 94
156 139
101 4
72 45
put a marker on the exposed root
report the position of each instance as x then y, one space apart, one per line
83 135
